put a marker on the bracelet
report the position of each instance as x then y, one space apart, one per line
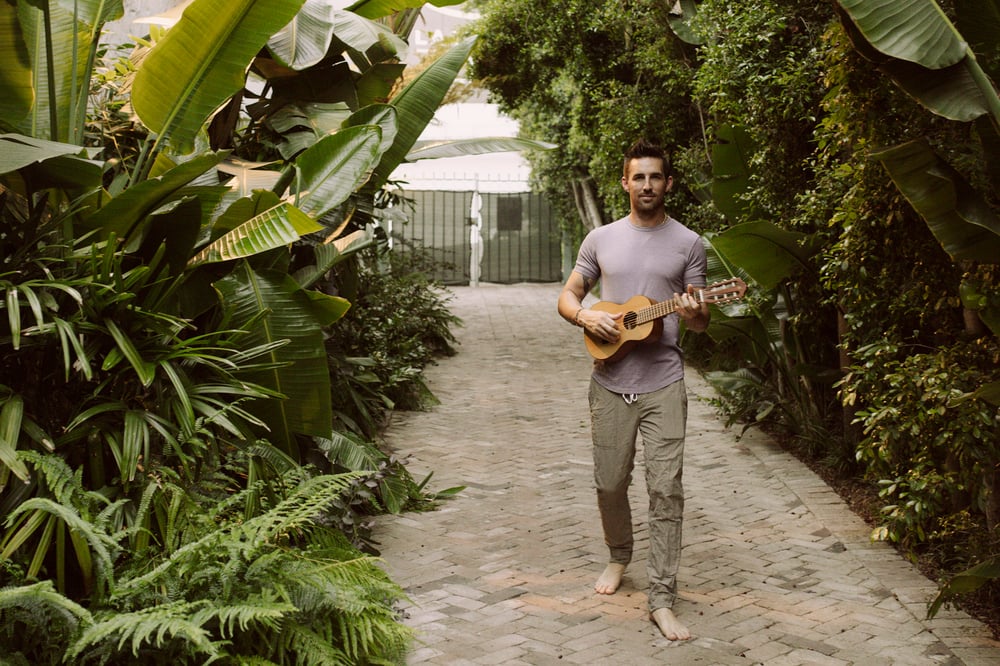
576 318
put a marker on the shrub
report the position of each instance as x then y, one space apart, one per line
928 440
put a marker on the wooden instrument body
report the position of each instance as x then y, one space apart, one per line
632 331
642 317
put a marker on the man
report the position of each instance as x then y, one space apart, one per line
651 254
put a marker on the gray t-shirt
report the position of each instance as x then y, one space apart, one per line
656 263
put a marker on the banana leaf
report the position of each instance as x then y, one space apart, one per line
17 92
680 21
329 255
90 16
326 308
377 82
767 253
240 211
50 46
951 92
320 117
274 228
416 105
332 169
28 165
18 151
429 150
202 62
958 216
913 30
965 582
94 13
374 9
749 333
123 213
362 35
915 43
383 116
305 40
308 37
298 370
731 171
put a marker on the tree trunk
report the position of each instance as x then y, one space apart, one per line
974 327
586 203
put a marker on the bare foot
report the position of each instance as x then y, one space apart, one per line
669 626
610 578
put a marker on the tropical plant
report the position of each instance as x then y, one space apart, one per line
916 45
278 587
776 381
162 318
932 60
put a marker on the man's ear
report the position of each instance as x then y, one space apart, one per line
624 183
670 183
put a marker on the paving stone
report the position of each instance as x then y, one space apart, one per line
775 568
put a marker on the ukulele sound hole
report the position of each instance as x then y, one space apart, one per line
628 321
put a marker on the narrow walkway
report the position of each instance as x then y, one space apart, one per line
775 568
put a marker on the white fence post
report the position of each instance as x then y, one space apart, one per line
475 237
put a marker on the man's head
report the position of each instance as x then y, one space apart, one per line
645 148
645 178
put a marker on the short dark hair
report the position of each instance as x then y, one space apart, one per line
646 148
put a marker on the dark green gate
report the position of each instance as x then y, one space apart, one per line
520 236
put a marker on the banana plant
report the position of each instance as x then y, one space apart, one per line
210 235
777 368
934 61
49 50
926 55
172 215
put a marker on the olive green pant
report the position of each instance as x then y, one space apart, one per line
616 420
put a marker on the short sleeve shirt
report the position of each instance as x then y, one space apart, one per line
654 262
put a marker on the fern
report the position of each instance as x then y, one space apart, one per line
23 610
88 535
278 586
65 485
150 627
302 640
257 613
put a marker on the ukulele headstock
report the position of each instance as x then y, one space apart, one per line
723 291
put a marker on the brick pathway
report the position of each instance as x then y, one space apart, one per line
775 568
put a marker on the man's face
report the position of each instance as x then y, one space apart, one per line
646 183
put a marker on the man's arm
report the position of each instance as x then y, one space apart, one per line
602 324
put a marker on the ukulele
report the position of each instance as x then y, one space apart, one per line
642 319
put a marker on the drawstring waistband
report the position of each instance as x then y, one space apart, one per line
629 398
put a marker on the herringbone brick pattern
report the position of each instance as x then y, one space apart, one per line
775 569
